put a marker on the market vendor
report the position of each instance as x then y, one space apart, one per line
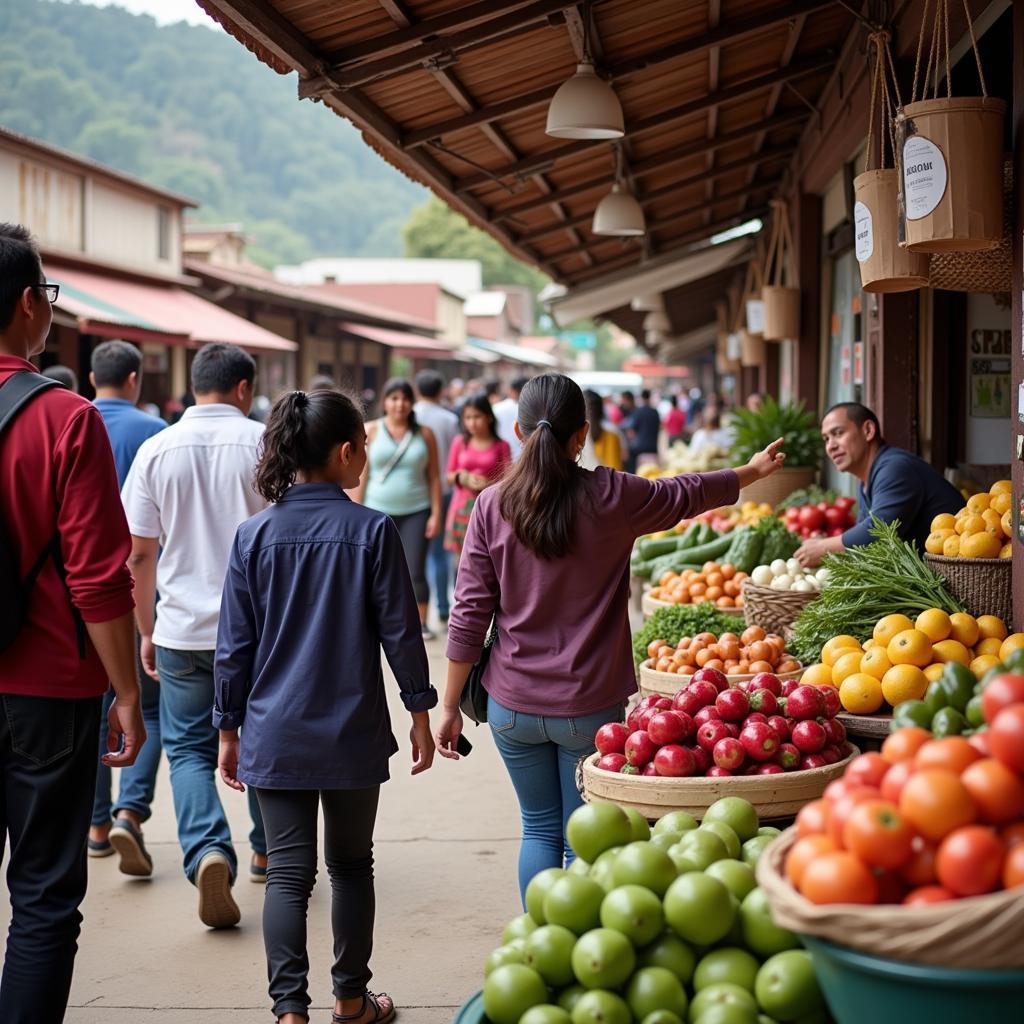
894 483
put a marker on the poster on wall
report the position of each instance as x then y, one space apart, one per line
989 374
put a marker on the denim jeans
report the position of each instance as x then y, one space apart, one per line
138 783
541 754
48 765
191 742
438 561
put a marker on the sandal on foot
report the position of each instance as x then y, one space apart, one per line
382 1005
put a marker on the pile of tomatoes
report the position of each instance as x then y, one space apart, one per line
750 652
825 519
925 820
719 584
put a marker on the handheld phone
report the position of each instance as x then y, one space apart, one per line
463 746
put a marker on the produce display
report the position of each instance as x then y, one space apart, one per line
761 726
669 625
789 575
864 585
652 926
754 431
821 519
714 583
751 651
983 528
906 658
811 495
681 458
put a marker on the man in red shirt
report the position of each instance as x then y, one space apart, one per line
58 487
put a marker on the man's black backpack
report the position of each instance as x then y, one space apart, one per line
18 390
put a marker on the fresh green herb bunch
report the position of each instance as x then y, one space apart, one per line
806 496
865 584
669 624
754 431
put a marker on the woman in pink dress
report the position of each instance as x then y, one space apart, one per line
477 459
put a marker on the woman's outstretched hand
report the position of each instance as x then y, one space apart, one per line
767 462
448 732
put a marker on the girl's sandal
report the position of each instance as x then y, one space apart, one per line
382 1004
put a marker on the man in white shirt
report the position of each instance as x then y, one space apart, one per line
188 490
507 412
445 425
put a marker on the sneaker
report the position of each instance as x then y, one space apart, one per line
217 907
99 848
428 633
257 872
127 840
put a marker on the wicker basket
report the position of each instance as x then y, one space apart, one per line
773 796
984 586
773 610
779 486
668 684
649 605
983 932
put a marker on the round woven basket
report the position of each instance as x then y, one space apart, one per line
668 684
779 486
773 796
650 605
984 586
978 932
773 610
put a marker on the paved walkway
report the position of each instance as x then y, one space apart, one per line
445 867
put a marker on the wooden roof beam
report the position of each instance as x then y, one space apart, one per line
722 36
714 66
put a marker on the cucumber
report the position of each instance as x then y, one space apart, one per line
707 552
745 554
651 547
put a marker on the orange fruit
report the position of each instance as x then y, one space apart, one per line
817 675
944 521
1006 551
965 628
935 624
861 694
951 547
910 647
838 877
933 671
981 545
970 525
953 753
805 851
951 650
1001 487
977 503
875 662
936 539
991 627
886 628
846 665
902 683
983 663
1014 642
990 645
834 647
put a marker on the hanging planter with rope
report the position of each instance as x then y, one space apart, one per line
951 152
781 291
754 286
725 362
884 265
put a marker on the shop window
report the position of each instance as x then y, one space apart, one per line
163 233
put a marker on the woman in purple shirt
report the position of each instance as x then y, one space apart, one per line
547 555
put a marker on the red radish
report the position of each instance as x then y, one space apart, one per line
789 686
831 697
711 675
687 702
831 754
702 759
812 761
734 729
834 730
811 518
674 761
780 725
611 738
732 705
743 686
729 753
707 714
718 773
763 700
789 757
611 762
662 704
667 727
755 716
808 737
649 769
710 733
645 717
759 740
769 768
805 702
767 681
705 691
639 748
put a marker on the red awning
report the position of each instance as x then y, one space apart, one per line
114 307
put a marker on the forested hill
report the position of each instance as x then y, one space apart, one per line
190 109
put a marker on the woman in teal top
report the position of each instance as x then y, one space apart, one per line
402 479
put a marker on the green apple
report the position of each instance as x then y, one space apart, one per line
726 834
675 821
769 830
538 889
579 867
753 848
665 840
702 847
518 928
699 908
549 953
641 829
669 951
574 902
603 958
510 991
594 828
507 954
601 1007
787 987
655 988
736 876
737 813
545 1014
662 1017
728 964
634 911
646 865
761 935
721 995
569 997
728 1013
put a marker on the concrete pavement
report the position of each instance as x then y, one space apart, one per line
446 847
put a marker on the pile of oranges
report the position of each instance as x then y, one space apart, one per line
924 821
983 528
719 584
750 652
904 655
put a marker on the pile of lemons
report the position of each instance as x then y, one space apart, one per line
981 529
904 655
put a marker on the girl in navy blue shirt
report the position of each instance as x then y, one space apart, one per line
315 587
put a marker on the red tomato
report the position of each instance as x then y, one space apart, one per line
896 778
970 860
1000 692
841 810
805 851
927 894
876 832
1006 737
866 770
838 878
936 802
812 518
920 868
812 819
1013 834
998 793
1013 867
980 743
952 752
834 790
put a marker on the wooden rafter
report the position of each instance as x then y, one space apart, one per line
714 65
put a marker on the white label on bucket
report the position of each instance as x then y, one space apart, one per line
863 231
755 316
924 176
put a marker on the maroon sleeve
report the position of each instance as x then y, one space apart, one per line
94 538
653 505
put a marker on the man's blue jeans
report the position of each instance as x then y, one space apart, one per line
191 742
541 754
438 562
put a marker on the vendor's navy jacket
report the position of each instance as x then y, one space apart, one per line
316 585
902 486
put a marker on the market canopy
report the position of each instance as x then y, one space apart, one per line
715 98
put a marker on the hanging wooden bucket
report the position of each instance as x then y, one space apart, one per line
952 161
752 351
755 315
781 313
884 265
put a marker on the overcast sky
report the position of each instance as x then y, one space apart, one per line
166 12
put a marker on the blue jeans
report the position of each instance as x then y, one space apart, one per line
438 561
541 754
191 742
138 782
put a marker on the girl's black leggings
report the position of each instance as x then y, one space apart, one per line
290 817
413 531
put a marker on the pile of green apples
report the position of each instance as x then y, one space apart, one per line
653 926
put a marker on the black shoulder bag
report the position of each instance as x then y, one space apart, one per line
474 695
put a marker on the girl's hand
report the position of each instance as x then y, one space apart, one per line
474 481
227 760
767 462
448 732
422 743
432 527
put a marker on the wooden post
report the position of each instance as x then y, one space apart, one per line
1017 368
891 327
808 254
770 370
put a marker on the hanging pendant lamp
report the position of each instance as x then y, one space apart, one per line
585 107
619 214
658 322
648 303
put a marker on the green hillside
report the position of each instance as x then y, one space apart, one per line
190 109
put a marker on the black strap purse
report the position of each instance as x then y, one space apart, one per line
474 695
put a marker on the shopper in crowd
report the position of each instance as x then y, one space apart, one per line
63 375
603 446
492 389
186 493
627 407
711 433
322 382
116 376
645 426
674 420
547 555
63 533
478 458
445 426
402 479
453 393
316 583
754 401
894 484
506 411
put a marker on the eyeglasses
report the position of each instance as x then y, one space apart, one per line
50 290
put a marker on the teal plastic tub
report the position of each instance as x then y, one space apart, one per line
861 988
472 1011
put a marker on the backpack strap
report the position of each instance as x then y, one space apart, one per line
17 391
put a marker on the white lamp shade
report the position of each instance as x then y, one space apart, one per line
654 339
585 108
647 303
619 214
657 321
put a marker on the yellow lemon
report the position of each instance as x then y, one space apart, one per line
886 628
971 524
935 624
990 645
979 502
847 664
944 521
1014 642
952 547
980 545
834 647
983 663
1006 551
870 643
951 650
903 682
934 671
1001 503
936 539
1006 524
1001 487
991 627
861 694
817 675
910 647
965 628
875 662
